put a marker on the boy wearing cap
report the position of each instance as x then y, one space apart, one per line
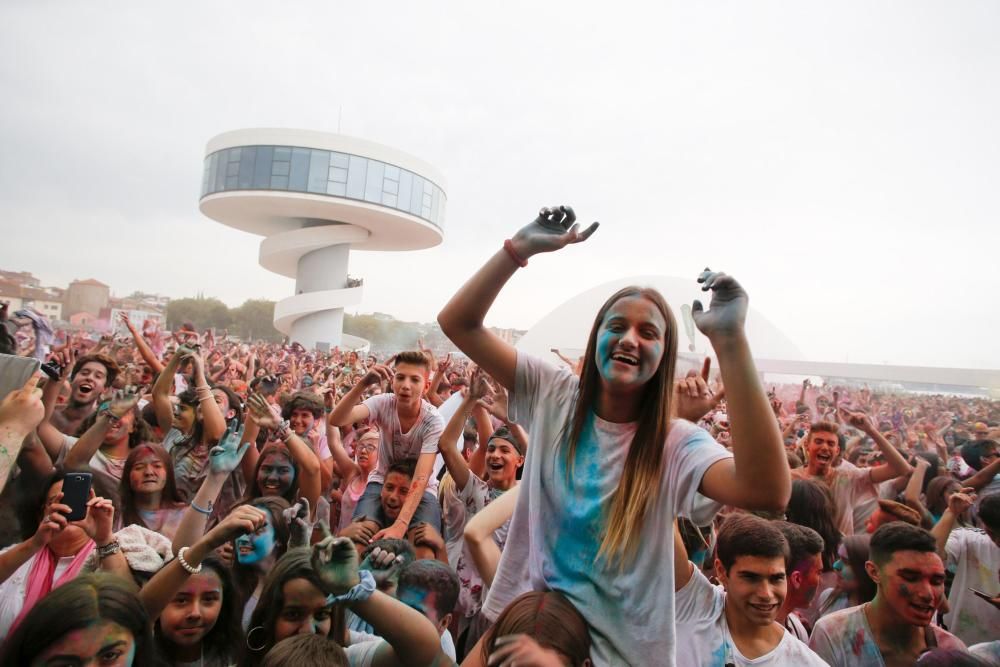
504 456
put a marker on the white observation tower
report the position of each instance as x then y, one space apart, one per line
314 197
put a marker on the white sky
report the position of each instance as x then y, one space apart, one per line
841 159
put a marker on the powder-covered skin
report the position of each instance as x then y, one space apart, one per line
254 548
276 475
194 609
105 643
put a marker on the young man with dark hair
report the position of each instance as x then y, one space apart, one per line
411 428
896 627
854 489
431 587
503 456
90 377
394 493
735 624
974 557
804 570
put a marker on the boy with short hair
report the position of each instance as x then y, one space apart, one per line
90 376
411 428
431 587
896 627
735 624
854 489
805 565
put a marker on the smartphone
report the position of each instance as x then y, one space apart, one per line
981 594
76 493
14 372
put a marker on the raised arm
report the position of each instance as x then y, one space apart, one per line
984 476
896 465
20 413
223 459
411 639
163 388
213 423
461 320
479 531
683 568
911 494
159 590
145 351
350 410
757 477
307 463
347 467
432 391
958 503
453 460
88 444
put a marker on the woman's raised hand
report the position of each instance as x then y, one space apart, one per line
261 412
225 457
335 560
727 313
553 229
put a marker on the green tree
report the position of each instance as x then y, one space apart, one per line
200 311
254 320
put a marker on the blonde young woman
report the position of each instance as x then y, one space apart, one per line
611 465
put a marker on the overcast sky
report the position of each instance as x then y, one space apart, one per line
841 159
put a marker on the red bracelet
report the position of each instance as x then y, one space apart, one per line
509 247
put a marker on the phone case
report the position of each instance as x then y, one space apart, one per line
76 493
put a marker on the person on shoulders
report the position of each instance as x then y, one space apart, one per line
410 427
615 453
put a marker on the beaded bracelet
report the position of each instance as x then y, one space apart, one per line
185 564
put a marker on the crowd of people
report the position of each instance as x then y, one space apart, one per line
176 498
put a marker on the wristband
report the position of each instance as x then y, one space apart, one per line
202 510
509 247
359 593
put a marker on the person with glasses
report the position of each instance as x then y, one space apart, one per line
354 472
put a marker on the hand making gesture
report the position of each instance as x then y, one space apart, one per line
553 229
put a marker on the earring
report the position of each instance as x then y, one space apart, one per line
263 644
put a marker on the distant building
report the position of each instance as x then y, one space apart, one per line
24 278
23 296
86 296
83 320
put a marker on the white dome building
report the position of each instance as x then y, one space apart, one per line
567 326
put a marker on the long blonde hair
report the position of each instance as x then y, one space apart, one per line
639 488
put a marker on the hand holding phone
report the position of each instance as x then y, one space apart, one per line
76 493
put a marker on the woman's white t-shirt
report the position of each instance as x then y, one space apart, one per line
556 529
